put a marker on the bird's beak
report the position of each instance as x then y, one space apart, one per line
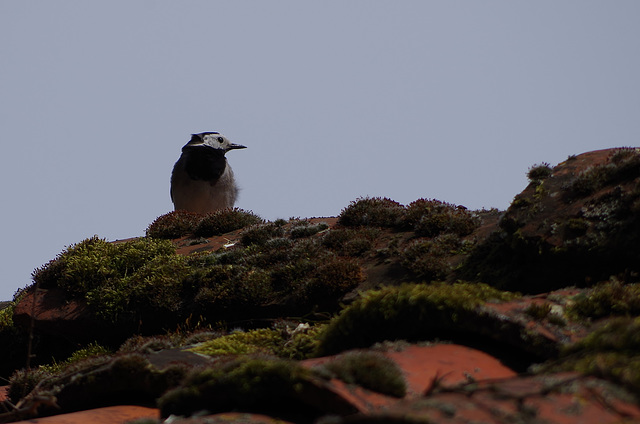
233 146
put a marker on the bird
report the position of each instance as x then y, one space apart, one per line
202 180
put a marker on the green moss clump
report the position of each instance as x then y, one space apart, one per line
375 211
150 344
428 260
260 234
13 339
623 164
575 227
410 311
288 343
24 381
118 278
300 343
610 352
226 286
306 229
610 298
6 316
92 262
430 218
247 384
262 340
128 378
537 173
89 351
332 279
173 225
350 241
371 370
538 311
154 286
224 221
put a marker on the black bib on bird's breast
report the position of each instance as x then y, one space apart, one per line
204 163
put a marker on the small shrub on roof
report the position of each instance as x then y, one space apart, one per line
332 279
611 298
609 352
428 260
224 221
430 218
173 225
94 261
623 164
306 229
262 340
539 172
247 383
285 342
118 277
371 370
405 312
373 211
350 241
260 234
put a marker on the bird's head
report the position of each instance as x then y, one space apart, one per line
212 140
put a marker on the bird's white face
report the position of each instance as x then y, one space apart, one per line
214 140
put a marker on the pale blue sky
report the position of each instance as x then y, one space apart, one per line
451 100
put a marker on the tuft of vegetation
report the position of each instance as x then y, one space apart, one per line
609 352
224 221
429 260
427 217
372 211
539 172
306 229
545 244
93 262
262 233
285 342
538 311
173 225
371 370
262 340
144 345
24 381
332 279
224 286
409 311
574 228
610 298
12 338
252 384
89 351
127 282
6 315
118 278
127 378
623 164
351 241
430 218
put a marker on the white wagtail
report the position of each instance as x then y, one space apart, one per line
202 180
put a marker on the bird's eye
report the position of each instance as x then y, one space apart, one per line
220 139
